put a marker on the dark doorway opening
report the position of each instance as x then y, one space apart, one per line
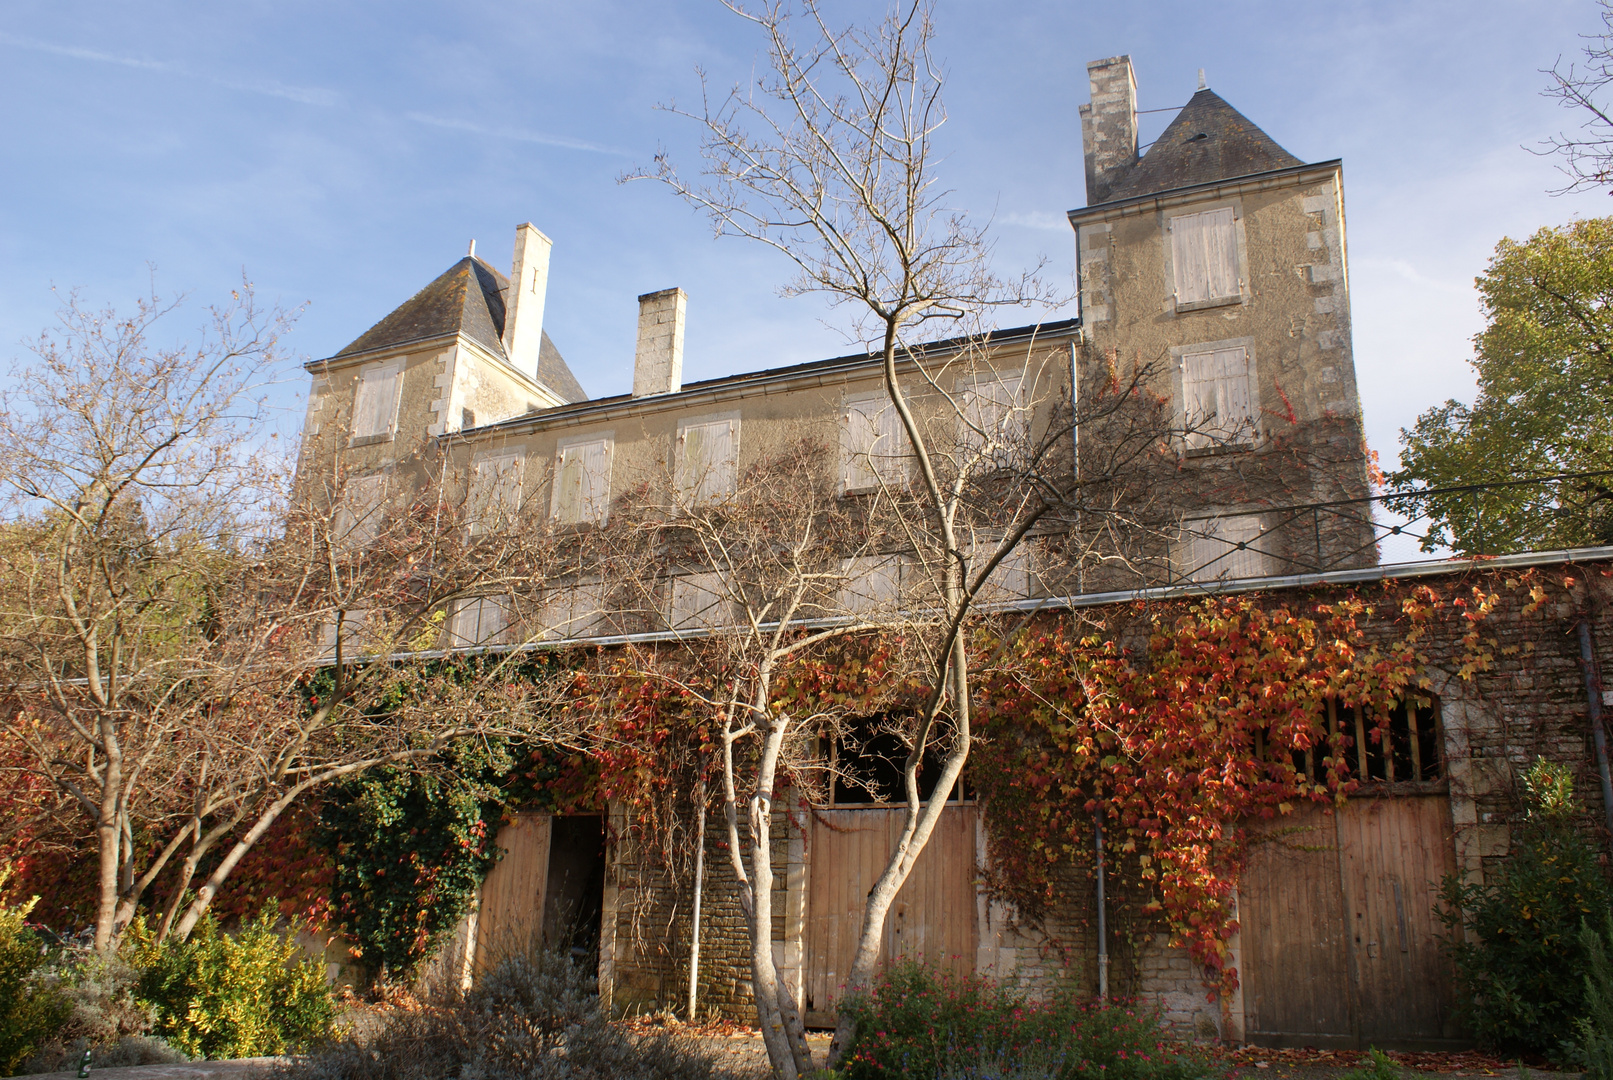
575 903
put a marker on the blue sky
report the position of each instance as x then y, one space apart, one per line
343 154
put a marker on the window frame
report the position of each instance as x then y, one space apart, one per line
969 434
474 494
1239 252
701 493
392 369
1194 531
879 470
596 510
1190 444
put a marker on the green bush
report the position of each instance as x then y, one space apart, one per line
105 1016
222 996
916 1024
1520 958
1596 1026
31 1008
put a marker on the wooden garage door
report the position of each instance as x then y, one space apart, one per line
1341 943
933 918
511 912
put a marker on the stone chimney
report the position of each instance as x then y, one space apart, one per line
1109 126
523 304
658 360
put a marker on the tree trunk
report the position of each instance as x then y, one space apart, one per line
109 838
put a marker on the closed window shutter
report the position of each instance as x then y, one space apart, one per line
706 472
1204 256
375 403
1220 254
1187 258
569 482
495 494
890 442
596 481
994 419
1212 551
1217 400
859 439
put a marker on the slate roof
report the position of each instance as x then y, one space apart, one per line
468 298
1208 141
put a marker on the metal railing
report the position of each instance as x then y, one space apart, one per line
1347 534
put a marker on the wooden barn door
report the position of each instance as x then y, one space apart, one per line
511 913
933 918
1341 943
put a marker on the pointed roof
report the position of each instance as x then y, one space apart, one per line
467 298
1208 141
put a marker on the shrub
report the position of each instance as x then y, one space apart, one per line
31 1008
105 1016
916 1024
1520 959
1596 1026
533 1017
218 996
1378 1066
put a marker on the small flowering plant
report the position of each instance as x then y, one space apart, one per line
918 1023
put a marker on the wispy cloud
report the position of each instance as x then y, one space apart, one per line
1037 219
270 87
515 134
1403 269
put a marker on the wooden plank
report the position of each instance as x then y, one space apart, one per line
932 919
1292 918
1395 852
512 898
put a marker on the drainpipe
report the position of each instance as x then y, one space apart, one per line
699 884
1103 930
1593 697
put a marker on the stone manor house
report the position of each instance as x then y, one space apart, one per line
1218 261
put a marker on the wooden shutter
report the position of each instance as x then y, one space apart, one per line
706 468
596 481
1220 254
1187 258
1217 399
700 601
495 492
860 442
1204 256
375 402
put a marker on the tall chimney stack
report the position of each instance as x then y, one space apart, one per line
523 304
1109 126
658 360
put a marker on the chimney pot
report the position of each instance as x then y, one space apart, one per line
1109 126
523 303
658 359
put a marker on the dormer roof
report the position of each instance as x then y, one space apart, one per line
1208 141
467 298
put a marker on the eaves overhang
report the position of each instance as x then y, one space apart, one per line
413 345
1295 176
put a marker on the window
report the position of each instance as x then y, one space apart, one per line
573 611
701 602
707 452
360 513
873 583
355 638
1204 257
479 620
1405 747
582 482
1012 579
994 420
1218 398
495 491
872 443
375 402
1212 549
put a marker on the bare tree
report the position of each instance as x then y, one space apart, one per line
829 159
191 640
1587 153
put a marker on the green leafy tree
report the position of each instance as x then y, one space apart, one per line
1516 939
1544 406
